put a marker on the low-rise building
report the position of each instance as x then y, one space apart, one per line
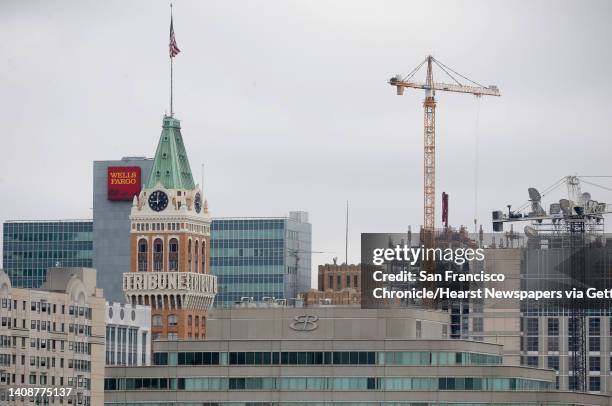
128 334
332 356
338 284
337 277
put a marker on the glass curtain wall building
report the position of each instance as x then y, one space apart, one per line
30 247
261 258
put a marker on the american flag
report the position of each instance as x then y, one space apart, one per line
174 49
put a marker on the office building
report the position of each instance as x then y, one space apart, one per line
170 244
257 258
338 284
115 183
337 277
53 337
324 356
537 334
128 334
31 247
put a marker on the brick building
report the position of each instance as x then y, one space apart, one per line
338 284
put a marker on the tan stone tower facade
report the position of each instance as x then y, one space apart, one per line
170 244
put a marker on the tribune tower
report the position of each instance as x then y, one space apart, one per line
170 244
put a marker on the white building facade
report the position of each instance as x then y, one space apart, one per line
128 334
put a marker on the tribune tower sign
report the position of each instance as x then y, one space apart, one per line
170 244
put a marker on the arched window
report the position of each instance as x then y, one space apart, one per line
189 256
190 320
173 255
197 321
172 320
203 257
158 255
157 320
197 250
142 255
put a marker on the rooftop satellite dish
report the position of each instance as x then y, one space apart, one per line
592 206
531 232
555 208
566 207
536 208
584 198
534 195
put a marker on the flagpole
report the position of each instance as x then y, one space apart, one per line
171 76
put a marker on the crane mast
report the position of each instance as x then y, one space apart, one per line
429 133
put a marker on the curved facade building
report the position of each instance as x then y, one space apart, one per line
332 356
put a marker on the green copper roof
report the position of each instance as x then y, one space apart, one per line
171 166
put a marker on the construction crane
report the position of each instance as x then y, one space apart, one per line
429 145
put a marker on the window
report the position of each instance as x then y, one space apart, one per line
572 344
157 320
553 363
594 383
142 255
173 255
172 320
594 326
553 327
189 256
532 326
348 281
532 361
594 364
197 251
158 255
594 344
553 343
532 343
144 348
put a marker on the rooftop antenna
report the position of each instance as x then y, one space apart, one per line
409 235
346 235
202 184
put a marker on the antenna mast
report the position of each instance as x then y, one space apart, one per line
346 235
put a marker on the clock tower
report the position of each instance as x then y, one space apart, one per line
170 244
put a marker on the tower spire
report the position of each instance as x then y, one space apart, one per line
171 166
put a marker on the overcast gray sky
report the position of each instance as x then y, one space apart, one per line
286 104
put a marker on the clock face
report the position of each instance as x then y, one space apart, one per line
198 202
158 200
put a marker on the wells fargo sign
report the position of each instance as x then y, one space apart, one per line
123 182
